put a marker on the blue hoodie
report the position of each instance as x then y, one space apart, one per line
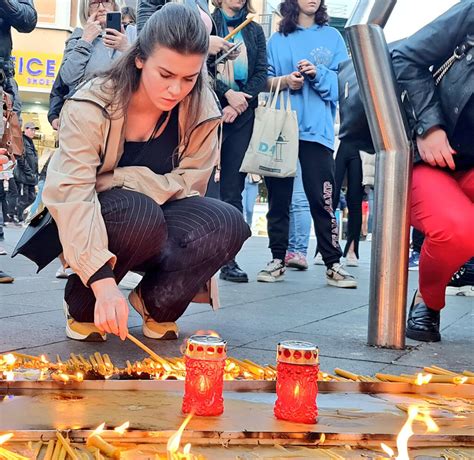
315 103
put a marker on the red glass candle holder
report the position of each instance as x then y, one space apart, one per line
297 382
204 359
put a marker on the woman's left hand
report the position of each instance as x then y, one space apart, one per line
116 40
104 182
305 67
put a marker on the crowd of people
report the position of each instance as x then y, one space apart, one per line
154 121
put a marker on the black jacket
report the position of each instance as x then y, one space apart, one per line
57 97
431 46
255 42
19 14
145 8
26 169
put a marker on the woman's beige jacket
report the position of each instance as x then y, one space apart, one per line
91 142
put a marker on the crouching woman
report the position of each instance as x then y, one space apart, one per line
137 146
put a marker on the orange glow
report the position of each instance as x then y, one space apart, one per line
423 379
122 428
207 332
5 438
175 440
296 391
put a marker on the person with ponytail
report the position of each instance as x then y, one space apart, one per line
137 145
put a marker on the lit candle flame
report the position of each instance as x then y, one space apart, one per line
296 391
9 359
9 376
423 379
459 380
79 376
99 429
5 438
122 428
175 440
43 359
414 413
389 451
203 384
187 449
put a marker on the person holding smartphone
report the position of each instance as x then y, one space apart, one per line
93 47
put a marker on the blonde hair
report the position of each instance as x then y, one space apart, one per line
248 5
84 10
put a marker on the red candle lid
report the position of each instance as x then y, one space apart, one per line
206 347
296 352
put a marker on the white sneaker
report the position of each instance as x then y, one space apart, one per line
274 271
369 237
130 280
318 260
352 260
64 273
462 291
2 252
338 277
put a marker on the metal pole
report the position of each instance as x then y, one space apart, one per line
389 258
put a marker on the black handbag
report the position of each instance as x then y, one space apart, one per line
40 241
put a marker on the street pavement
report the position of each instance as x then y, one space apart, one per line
253 318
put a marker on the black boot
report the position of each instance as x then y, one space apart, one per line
423 323
232 272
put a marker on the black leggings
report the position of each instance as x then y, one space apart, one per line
348 160
317 166
178 245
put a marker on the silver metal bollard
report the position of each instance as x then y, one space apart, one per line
389 258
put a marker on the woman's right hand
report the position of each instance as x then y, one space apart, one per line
92 29
218 44
434 148
111 308
295 81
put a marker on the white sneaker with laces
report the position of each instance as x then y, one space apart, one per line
338 277
274 271
130 280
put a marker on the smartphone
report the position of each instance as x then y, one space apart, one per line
114 21
226 54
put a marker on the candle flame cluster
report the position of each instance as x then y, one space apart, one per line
415 413
100 366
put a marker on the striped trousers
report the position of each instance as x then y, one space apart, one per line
178 245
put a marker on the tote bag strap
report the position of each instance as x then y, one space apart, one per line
275 94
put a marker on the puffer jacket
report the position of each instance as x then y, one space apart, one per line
414 58
19 14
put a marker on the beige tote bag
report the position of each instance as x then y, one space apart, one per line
273 148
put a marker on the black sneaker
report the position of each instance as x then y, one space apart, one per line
423 323
232 272
462 282
5 279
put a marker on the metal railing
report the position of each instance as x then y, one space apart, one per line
379 92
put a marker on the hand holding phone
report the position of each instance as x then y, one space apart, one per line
114 21
115 37
228 53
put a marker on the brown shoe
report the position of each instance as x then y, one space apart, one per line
151 328
84 332
4 278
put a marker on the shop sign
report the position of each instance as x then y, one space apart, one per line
36 70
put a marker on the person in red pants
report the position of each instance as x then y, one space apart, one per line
442 201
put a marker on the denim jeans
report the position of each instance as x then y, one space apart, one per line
300 217
249 195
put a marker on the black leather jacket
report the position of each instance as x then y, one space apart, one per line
19 14
451 103
145 8
26 169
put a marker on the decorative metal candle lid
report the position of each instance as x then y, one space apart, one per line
206 347
296 352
